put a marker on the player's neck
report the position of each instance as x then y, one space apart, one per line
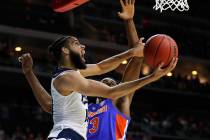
67 64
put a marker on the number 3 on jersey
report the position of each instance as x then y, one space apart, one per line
94 122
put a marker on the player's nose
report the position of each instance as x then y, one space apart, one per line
83 47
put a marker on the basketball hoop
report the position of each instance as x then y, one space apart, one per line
180 5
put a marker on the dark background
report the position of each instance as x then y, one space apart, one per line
173 108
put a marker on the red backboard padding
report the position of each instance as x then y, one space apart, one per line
66 5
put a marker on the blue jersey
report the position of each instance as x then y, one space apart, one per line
106 122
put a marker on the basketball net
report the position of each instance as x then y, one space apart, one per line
180 5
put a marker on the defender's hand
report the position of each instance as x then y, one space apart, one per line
128 9
138 49
27 62
159 72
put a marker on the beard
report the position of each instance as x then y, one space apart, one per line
77 60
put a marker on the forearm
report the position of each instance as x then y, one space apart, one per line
132 34
41 95
126 88
113 62
132 70
98 89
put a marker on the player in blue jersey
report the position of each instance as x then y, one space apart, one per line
108 120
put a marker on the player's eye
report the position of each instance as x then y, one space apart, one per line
77 43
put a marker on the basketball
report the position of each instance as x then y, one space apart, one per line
160 48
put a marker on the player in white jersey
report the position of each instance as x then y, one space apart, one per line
68 111
68 84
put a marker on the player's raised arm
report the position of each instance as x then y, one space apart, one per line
127 14
133 68
74 81
112 63
41 95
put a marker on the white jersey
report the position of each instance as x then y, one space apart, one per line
68 111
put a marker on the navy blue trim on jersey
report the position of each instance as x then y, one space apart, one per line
52 107
68 134
57 71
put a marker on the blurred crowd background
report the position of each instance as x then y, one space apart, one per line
173 108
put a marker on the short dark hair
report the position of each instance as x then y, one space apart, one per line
55 48
109 81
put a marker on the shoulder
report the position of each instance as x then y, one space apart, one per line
64 82
66 76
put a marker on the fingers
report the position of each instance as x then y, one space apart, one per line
130 2
122 3
119 14
127 2
141 39
172 65
166 70
140 43
160 65
20 59
24 57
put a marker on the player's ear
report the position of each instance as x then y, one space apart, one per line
65 50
